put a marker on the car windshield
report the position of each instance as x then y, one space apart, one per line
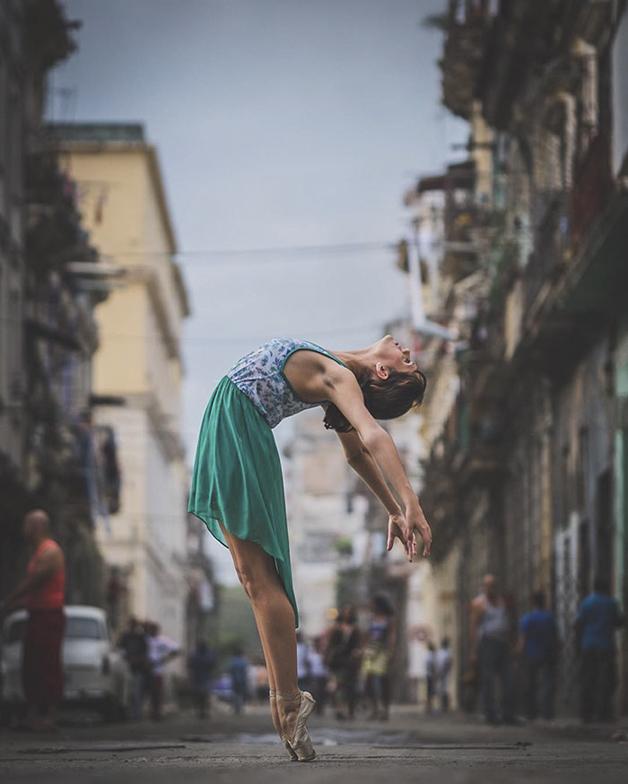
76 628
84 629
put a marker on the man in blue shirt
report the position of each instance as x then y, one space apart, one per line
201 667
239 671
598 618
538 644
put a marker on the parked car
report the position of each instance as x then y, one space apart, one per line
94 672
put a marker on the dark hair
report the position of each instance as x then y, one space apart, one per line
348 614
601 584
382 605
538 599
385 398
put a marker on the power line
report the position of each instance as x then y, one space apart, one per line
338 247
236 339
281 253
104 335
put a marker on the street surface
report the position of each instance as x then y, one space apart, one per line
409 748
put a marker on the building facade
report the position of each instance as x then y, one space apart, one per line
326 518
138 368
51 455
527 474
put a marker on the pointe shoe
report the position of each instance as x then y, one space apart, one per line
300 743
272 696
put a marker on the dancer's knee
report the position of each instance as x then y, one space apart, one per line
260 587
255 584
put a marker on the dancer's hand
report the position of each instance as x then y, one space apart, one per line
416 522
404 527
396 530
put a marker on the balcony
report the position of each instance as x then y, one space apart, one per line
439 499
467 25
592 188
551 250
576 277
54 234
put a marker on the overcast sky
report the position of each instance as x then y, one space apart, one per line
278 123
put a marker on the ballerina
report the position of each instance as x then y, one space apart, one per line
237 485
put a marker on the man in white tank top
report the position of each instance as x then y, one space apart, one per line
490 642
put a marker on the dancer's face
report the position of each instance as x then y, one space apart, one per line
391 355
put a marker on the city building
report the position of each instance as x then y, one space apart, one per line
51 454
526 474
326 516
138 368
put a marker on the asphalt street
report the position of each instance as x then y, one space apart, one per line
409 748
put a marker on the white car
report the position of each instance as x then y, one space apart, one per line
94 672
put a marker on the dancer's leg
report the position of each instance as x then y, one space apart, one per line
272 684
274 617
274 712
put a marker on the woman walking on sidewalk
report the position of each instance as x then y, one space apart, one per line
377 656
237 486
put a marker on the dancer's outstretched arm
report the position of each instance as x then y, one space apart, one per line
362 462
346 394
360 459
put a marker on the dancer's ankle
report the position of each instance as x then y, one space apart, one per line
288 696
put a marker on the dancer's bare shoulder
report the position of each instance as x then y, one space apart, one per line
313 376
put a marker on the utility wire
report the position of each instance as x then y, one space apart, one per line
281 253
190 340
338 247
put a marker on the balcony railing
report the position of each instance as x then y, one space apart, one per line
593 185
467 24
551 243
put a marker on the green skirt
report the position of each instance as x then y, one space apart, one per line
237 479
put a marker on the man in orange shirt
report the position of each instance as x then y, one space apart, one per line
42 593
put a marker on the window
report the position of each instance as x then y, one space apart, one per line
84 629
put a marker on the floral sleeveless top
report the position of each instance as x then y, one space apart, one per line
260 376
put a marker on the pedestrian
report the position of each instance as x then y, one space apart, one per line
334 660
201 664
490 632
114 594
303 662
416 664
538 645
598 619
380 644
135 648
237 486
343 658
41 592
161 650
238 669
319 674
261 682
430 677
442 668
